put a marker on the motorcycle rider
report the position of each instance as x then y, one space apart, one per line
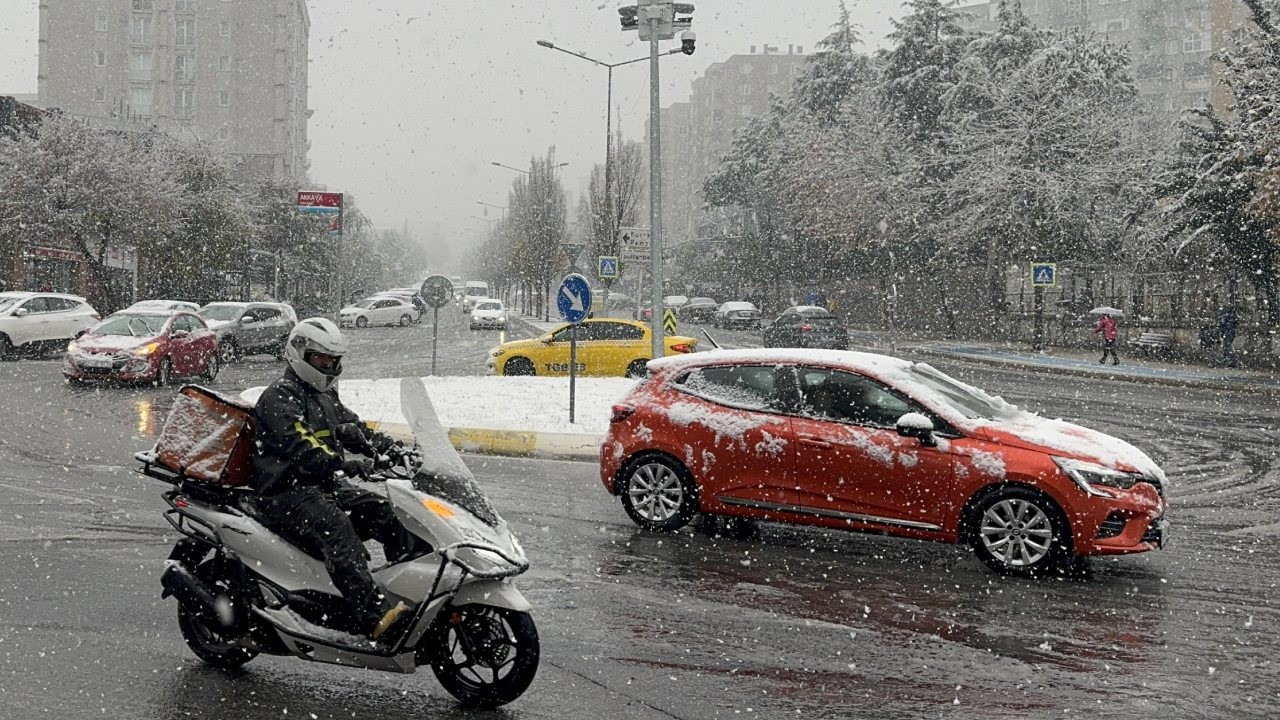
304 434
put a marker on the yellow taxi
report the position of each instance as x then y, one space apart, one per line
606 347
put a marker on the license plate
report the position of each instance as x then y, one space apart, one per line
91 361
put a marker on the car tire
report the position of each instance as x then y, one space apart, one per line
7 351
362 322
658 493
164 373
638 369
229 351
473 328
1018 530
519 366
212 368
405 321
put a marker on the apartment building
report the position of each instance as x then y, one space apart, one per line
229 72
1170 42
698 132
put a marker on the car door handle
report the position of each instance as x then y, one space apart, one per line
813 441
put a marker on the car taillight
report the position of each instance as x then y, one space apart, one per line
621 411
682 348
805 328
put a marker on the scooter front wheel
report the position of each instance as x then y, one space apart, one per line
484 656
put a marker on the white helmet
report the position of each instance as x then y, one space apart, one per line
310 342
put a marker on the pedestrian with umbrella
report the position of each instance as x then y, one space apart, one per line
1107 328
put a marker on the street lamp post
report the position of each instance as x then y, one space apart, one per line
656 20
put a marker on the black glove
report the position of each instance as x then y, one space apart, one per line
357 468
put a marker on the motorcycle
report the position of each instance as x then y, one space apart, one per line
243 590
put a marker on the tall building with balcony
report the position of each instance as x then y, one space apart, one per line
698 132
1170 42
229 72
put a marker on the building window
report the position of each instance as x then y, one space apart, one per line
141 33
224 28
183 101
224 97
99 94
773 68
745 89
184 6
1199 68
185 32
183 68
100 58
1194 42
140 66
224 63
1075 9
1117 25
144 4
100 23
140 100
224 132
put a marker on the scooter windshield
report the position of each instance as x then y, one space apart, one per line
461 491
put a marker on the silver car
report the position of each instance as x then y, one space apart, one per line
249 328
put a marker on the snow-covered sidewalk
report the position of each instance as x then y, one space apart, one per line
502 415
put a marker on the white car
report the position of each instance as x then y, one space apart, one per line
488 313
737 314
379 310
160 305
30 320
473 292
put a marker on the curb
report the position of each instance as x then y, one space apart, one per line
510 443
1170 381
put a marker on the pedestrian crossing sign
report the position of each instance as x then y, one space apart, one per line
1044 274
608 267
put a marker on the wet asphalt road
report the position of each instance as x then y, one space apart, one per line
797 623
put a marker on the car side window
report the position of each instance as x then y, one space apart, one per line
752 387
36 305
585 332
60 304
616 331
185 322
846 397
267 314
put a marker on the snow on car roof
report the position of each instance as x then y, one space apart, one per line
852 359
738 305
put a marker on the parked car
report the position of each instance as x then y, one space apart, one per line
146 346
698 310
155 305
248 328
379 310
488 313
867 442
675 302
644 314
736 314
605 348
30 321
807 326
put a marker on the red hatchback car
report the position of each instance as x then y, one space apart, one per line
147 346
867 442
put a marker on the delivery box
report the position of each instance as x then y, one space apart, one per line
208 437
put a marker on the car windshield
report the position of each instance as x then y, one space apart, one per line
955 394
489 306
8 302
477 291
132 325
224 313
365 304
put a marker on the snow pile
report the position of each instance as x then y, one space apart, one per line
493 403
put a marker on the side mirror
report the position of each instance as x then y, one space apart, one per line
21 312
179 334
247 320
917 426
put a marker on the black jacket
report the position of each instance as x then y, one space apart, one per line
296 443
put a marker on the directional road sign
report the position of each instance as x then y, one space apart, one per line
633 244
437 290
1044 274
669 322
608 267
573 300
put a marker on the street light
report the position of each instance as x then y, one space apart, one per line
526 172
503 208
656 20
608 130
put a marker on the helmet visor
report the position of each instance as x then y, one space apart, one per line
328 364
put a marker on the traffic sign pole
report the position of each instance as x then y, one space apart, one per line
435 332
573 300
435 291
573 366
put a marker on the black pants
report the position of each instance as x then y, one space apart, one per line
1109 348
335 525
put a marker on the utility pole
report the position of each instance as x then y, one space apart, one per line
656 20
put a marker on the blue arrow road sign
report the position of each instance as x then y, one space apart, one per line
574 298
1043 274
608 266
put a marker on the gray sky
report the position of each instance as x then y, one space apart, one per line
414 98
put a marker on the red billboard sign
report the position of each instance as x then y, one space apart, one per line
319 199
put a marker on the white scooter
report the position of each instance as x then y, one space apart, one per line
243 590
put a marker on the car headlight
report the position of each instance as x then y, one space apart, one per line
496 352
1094 479
146 350
72 346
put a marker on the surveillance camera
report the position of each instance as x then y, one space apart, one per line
687 39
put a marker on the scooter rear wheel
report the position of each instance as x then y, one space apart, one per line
216 647
484 656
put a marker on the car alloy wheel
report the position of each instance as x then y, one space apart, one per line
659 494
227 351
362 321
211 370
405 321
1019 531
